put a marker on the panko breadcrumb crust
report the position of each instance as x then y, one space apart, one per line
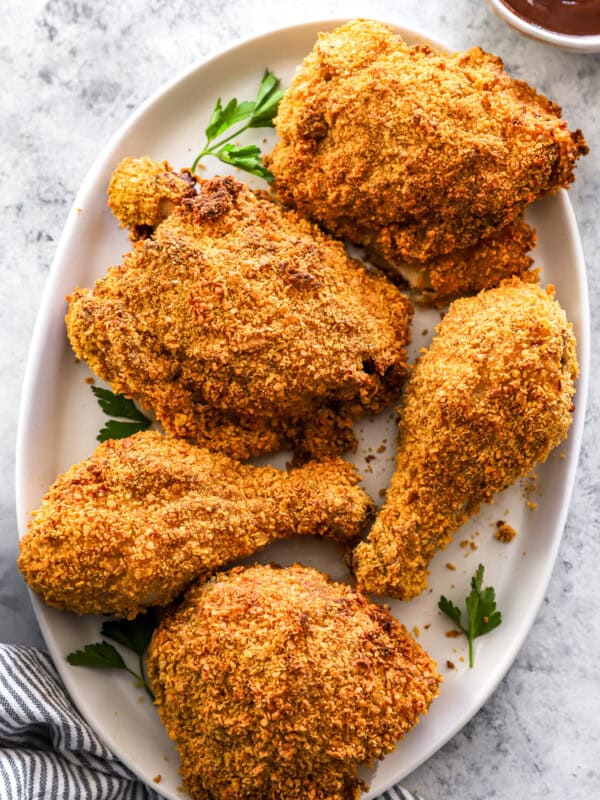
243 327
470 270
277 683
134 524
142 193
414 153
489 399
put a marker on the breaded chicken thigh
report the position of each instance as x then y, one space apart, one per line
243 327
469 270
413 153
277 683
490 399
134 524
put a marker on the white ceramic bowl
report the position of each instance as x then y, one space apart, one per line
582 44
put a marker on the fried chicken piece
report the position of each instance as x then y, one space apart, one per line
142 193
468 271
134 524
291 682
490 399
243 327
414 153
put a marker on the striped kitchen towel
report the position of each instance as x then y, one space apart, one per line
49 752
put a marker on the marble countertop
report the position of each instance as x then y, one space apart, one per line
72 73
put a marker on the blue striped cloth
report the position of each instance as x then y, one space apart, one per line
49 752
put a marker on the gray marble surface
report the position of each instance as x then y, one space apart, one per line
71 73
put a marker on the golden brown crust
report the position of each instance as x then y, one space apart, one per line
412 152
132 525
290 683
490 398
245 328
143 192
464 272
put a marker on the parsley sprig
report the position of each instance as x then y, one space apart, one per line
257 114
116 405
481 610
134 634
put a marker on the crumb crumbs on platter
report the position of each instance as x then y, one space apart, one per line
157 778
504 532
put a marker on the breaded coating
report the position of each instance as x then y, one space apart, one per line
468 271
245 328
134 524
142 192
277 683
490 399
411 152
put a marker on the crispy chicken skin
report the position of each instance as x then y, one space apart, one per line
490 399
414 153
468 271
134 524
291 682
242 326
142 192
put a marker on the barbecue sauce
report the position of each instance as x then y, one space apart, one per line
574 17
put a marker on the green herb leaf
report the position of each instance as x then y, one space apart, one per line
223 118
257 114
268 113
452 611
242 110
481 610
267 101
267 86
247 158
116 405
100 654
134 634
120 430
214 121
